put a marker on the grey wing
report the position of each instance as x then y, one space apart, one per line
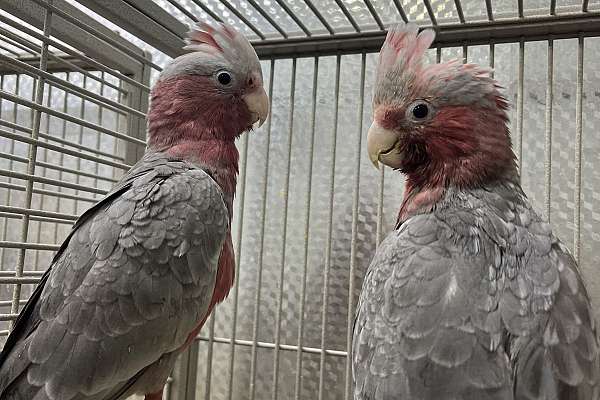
134 279
559 360
425 326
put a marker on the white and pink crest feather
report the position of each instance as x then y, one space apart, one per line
404 48
221 40
402 74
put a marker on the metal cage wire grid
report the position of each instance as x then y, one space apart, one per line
74 81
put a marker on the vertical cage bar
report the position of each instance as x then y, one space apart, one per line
10 162
252 389
374 14
578 149
184 10
465 53
204 8
209 354
5 222
520 8
100 120
380 205
243 18
238 257
293 16
286 188
553 7
430 12
32 155
328 249
346 13
266 15
319 16
520 85
354 237
61 155
548 130
438 55
311 151
43 173
459 11
489 10
584 6
82 116
401 10
492 58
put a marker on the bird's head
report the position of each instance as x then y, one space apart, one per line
217 86
441 124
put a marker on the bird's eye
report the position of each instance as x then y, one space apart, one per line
420 111
224 78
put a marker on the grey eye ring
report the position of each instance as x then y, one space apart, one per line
419 111
224 78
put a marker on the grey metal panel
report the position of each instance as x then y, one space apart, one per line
75 36
475 33
144 19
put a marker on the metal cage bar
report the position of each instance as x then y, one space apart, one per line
520 85
548 130
56 44
459 11
286 188
238 255
241 16
294 17
578 150
328 249
430 11
347 14
354 233
319 16
252 388
35 130
490 12
307 213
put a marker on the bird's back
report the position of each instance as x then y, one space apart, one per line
475 300
130 283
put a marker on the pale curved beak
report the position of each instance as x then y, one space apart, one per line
383 146
258 105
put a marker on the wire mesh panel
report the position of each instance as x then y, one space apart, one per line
310 208
66 137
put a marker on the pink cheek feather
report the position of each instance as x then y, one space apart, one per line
194 103
450 133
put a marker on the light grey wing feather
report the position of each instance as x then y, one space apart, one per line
133 281
475 300
419 332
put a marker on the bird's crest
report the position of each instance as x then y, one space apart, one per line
220 40
404 48
402 74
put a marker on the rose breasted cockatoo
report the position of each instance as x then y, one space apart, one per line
141 270
471 297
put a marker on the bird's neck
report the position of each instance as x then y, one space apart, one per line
472 152
205 148
197 139
218 157
420 199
